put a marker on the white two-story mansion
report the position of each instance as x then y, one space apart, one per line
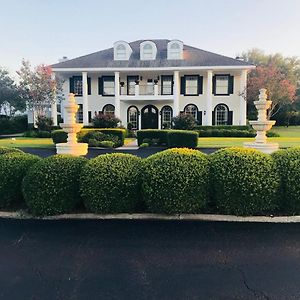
147 82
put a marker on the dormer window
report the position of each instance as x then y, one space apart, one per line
148 50
122 50
175 49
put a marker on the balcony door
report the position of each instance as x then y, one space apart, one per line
149 117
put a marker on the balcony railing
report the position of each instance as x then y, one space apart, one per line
145 90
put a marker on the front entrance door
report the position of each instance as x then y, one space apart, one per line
149 117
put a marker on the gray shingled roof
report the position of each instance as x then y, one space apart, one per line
192 57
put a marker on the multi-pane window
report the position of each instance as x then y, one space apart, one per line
131 84
174 52
167 84
147 52
192 110
166 117
150 87
77 85
121 52
133 117
221 114
191 85
222 85
79 115
109 109
108 86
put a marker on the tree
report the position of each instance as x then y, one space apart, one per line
38 88
10 98
278 74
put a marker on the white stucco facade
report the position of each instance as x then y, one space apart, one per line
159 86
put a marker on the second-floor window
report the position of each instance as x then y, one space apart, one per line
222 84
76 85
166 85
191 85
108 86
131 82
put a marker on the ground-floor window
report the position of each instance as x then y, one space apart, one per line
108 109
166 117
191 109
79 115
221 114
133 117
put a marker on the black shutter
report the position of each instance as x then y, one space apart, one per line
213 118
71 84
214 85
182 86
230 118
89 85
199 118
230 85
200 85
100 86
90 116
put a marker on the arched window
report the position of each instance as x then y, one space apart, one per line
166 117
175 49
221 114
148 51
133 117
191 109
121 52
108 109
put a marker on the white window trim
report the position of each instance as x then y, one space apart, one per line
127 47
154 50
170 54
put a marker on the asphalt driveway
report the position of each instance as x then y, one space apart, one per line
83 259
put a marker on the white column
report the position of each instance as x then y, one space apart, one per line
140 120
208 116
155 89
85 107
176 93
243 102
159 119
117 95
54 105
136 89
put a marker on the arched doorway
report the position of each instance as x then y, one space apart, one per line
149 117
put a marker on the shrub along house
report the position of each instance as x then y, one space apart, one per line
147 82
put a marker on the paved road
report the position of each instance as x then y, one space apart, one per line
148 260
143 152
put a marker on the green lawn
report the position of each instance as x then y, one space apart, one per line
21 142
289 137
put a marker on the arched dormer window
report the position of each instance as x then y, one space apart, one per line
148 50
175 49
122 50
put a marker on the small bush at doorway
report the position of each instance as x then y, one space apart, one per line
184 122
110 183
13 167
244 182
52 185
176 181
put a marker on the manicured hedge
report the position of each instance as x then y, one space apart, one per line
226 133
4 150
182 138
244 181
52 185
13 167
150 134
59 136
225 127
176 181
288 165
110 183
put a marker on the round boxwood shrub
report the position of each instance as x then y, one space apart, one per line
176 181
244 181
110 183
52 185
4 150
13 167
288 164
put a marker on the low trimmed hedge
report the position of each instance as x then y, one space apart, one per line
288 165
4 150
13 167
169 138
176 181
110 183
244 182
223 127
182 138
226 133
59 136
52 185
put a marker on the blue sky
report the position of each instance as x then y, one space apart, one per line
44 30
